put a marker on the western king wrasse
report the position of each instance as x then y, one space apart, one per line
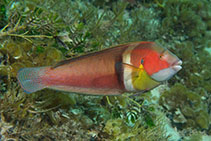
132 67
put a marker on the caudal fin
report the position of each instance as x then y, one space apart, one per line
31 79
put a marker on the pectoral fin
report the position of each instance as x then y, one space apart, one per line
128 70
134 78
126 74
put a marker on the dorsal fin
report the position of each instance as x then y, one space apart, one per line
63 62
117 47
90 54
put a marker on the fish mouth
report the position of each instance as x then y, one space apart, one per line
167 73
177 65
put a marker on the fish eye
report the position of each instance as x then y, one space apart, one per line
142 61
162 54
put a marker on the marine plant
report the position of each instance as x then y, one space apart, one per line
33 31
187 107
185 18
186 27
117 129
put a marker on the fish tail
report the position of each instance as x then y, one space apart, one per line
31 79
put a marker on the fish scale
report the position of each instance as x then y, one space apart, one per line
131 67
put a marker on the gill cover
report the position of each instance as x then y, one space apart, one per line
136 79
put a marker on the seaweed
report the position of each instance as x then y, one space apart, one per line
187 108
39 33
185 25
185 17
117 129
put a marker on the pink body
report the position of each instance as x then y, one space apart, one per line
92 73
103 72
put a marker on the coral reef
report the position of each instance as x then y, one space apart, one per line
185 25
185 18
118 130
187 107
39 33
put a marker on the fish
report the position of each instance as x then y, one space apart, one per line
131 67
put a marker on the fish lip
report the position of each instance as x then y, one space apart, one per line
170 71
177 65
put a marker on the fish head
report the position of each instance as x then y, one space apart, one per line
146 65
161 64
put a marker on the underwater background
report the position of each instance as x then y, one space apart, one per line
42 32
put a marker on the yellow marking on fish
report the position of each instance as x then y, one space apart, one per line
142 81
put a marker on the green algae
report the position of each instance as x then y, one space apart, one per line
185 17
19 58
117 129
194 110
39 33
